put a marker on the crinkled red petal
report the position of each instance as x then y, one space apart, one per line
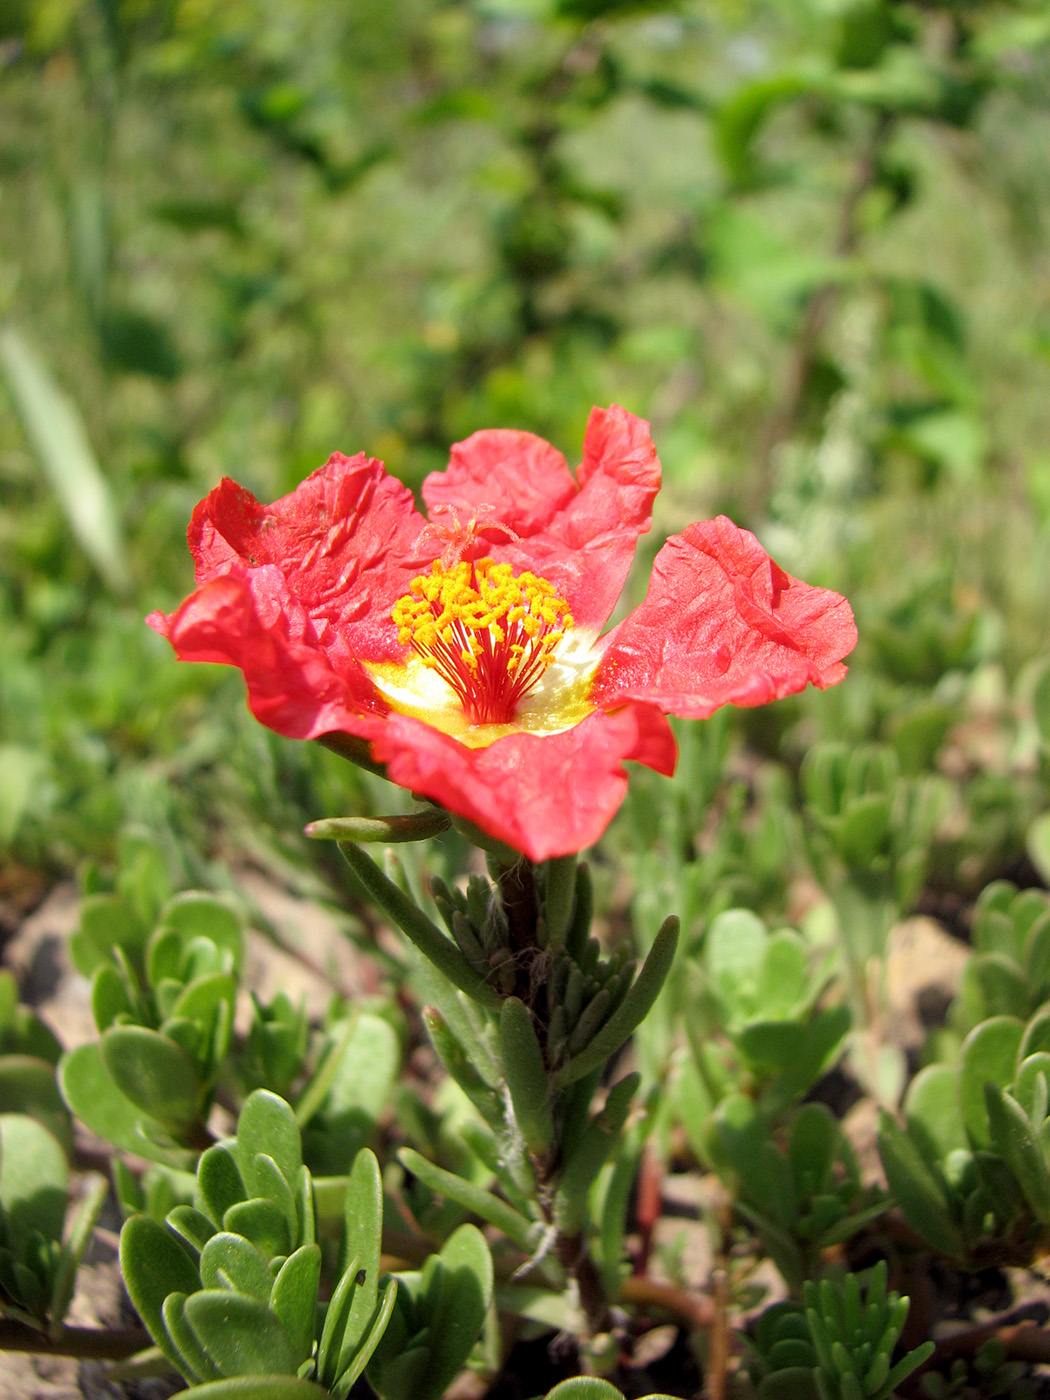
344 541
579 534
295 685
723 624
542 794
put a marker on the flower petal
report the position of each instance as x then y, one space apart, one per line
246 618
580 535
545 795
723 624
344 542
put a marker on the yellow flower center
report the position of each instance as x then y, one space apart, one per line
490 634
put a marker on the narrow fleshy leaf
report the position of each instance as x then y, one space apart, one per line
526 1074
473 1198
631 1011
415 925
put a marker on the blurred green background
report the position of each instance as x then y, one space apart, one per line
808 239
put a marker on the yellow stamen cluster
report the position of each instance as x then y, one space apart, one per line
489 633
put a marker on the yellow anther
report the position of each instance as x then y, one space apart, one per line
455 617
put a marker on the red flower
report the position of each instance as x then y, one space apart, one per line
466 651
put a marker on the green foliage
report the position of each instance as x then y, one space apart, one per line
969 1167
163 1003
839 1346
801 1199
752 1021
229 1287
1009 974
436 1320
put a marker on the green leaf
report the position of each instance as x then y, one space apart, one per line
92 1096
106 920
261 1222
362 1242
734 950
415 925
34 1181
1012 1135
813 1139
473 1198
267 1125
219 1180
1037 843
364 1353
195 1363
589 1153
413 826
526 1075
921 1196
29 1086
73 1251
741 118
340 1108
931 1107
456 1322
584 1388
153 1264
635 1006
988 1056
230 1261
191 1225
257 1388
293 1298
240 1334
22 771
154 1073
56 431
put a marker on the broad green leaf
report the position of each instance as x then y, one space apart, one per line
240 1334
29 1086
22 772
105 920
230 1261
988 1056
456 1323
293 1298
196 915
261 1222
92 1096
733 952
34 1181
153 1264
195 1363
268 1125
153 1072
339 1112
219 1181
257 1388
931 1106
